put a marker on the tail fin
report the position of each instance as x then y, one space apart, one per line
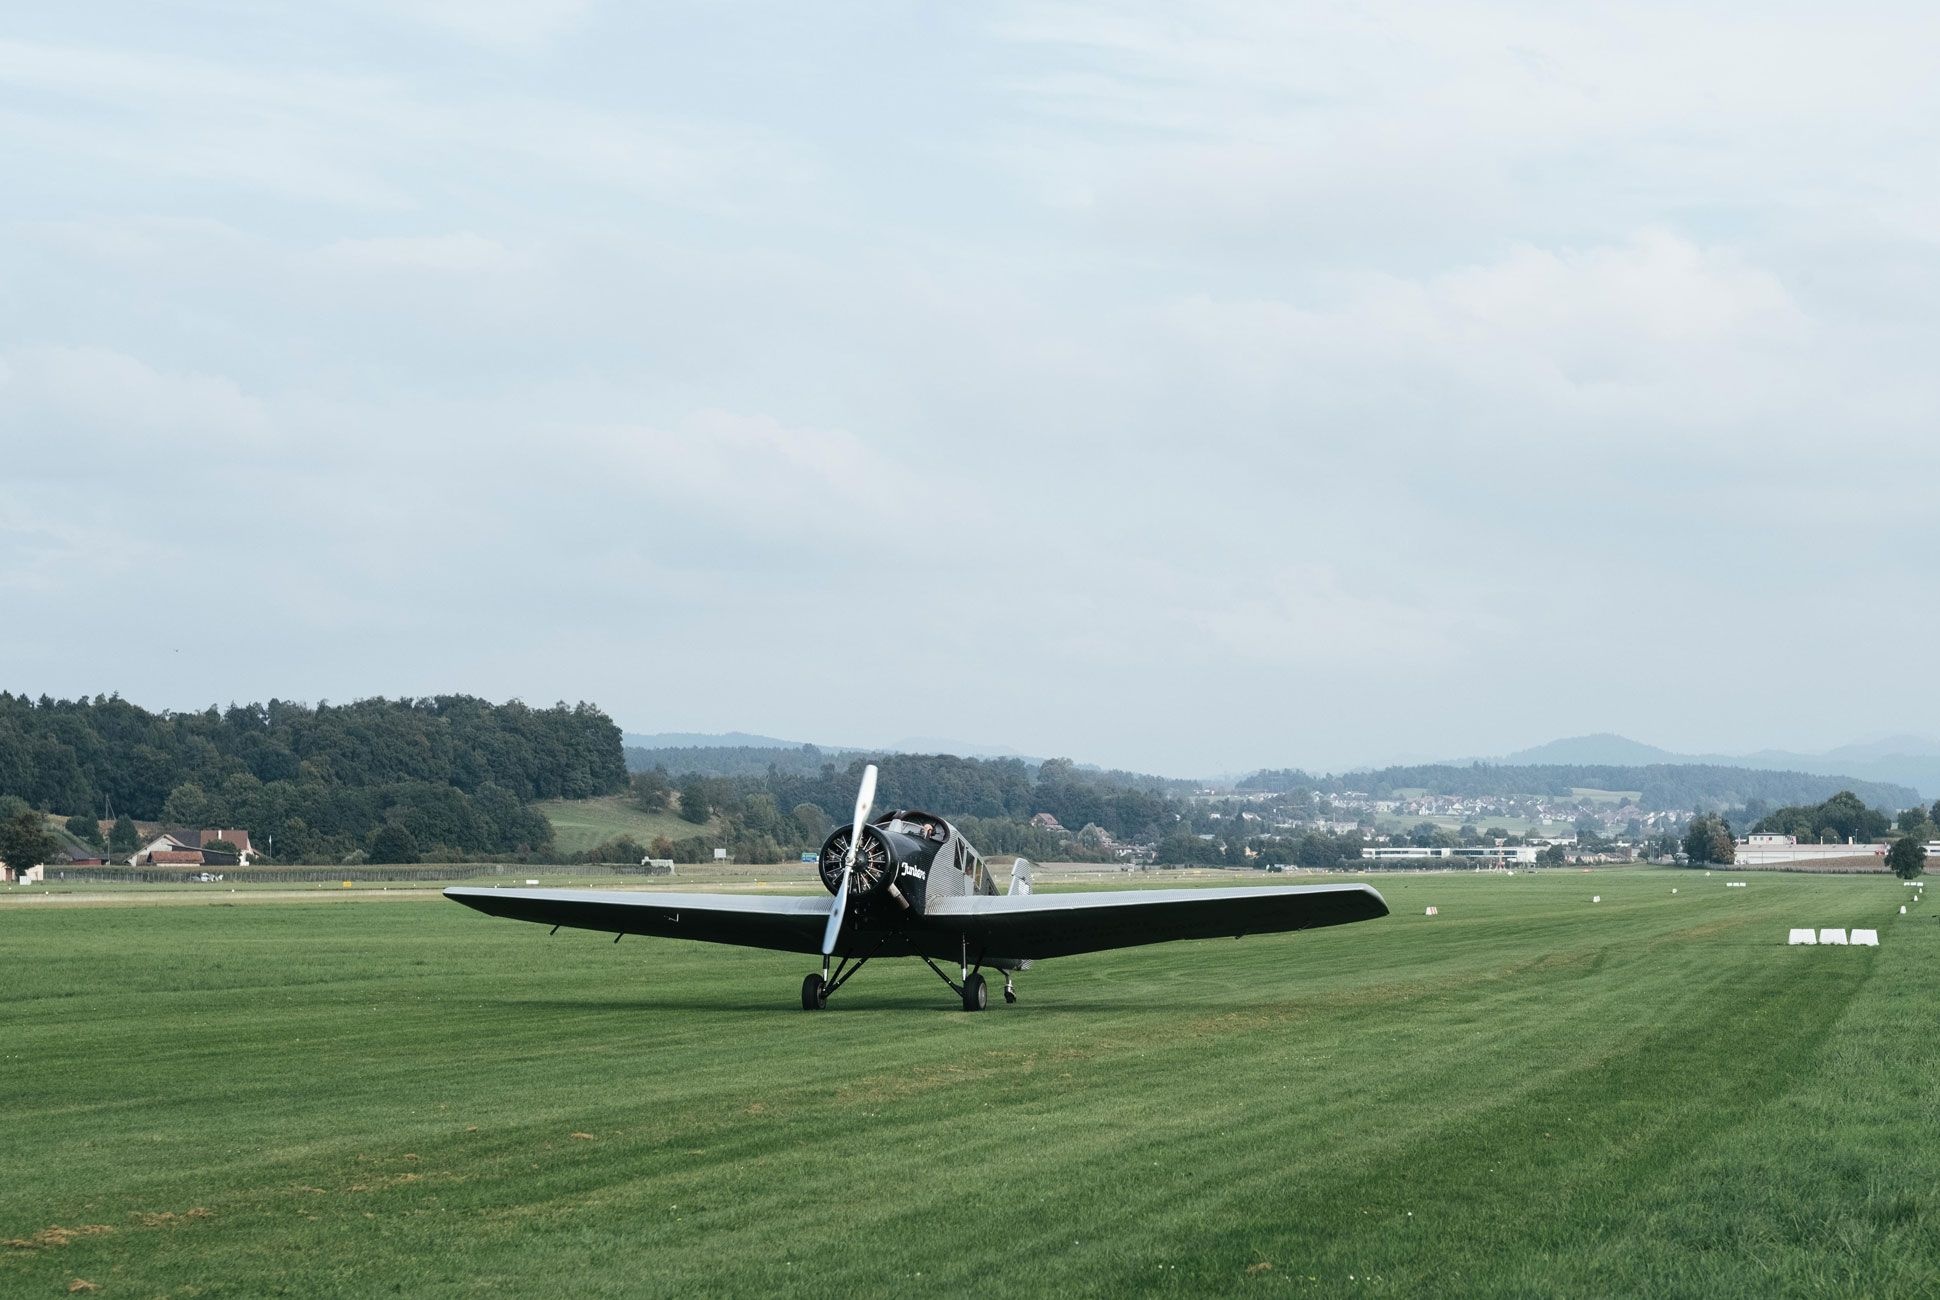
1020 876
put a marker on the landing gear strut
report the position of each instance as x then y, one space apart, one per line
1010 994
817 988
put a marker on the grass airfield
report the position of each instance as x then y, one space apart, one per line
1529 1094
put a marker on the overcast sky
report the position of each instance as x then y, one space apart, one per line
1187 389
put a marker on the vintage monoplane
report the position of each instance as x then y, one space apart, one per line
909 885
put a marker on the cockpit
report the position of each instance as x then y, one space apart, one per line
919 825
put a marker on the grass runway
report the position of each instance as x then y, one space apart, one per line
1527 1095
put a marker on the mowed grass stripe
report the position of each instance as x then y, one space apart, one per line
1183 1114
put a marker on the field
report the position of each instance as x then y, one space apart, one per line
582 824
1530 1094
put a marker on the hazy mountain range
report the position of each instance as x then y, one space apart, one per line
1903 760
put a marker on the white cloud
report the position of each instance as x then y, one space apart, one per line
1246 383
93 411
460 253
500 24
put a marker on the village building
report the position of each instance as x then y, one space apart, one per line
185 848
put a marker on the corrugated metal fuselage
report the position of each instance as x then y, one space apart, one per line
918 859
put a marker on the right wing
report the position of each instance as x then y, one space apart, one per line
1027 926
789 924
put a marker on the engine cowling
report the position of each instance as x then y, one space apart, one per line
875 862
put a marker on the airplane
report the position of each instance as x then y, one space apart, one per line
907 884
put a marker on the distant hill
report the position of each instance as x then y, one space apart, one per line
737 760
748 740
1890 760
1660 785
714 740
1602 748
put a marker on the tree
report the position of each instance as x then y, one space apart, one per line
1907 858
1909 820
85 829
1552 856
623 848
124 838
392 842
651 790
811 823
1708 839
1933 813
697 797
188 805
25 840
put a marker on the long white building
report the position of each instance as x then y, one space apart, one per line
1480 852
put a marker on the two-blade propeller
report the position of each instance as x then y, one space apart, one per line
865 799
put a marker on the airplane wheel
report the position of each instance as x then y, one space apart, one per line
814 997
975 996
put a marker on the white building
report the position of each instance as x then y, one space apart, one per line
1472 853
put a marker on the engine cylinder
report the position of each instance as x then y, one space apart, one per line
875 861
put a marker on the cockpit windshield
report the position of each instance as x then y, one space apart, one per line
920 825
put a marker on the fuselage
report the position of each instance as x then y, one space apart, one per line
906 859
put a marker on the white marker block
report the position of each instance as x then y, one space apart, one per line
1734 884
1802 936
1866 938
1833 936
1673 891
1433 911
1902 905
1596 898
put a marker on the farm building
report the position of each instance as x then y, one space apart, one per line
185 848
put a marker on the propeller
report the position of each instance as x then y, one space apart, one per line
865 799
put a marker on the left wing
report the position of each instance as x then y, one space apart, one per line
788 924
1028 926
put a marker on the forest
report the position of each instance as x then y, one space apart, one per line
440 777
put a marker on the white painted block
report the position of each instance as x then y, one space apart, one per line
1802 936
1902 907
1673 891
1734 884
1596 898
1433 911
1837 936
1866 938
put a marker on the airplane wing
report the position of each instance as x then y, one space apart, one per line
787 924
1030 926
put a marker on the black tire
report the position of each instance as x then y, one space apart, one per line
975 996
814 997
1009 996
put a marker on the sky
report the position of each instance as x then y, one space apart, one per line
1190 390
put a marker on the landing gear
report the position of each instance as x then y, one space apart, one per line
975 996
815 994
1010 994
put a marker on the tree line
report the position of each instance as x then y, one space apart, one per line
1125 805
444 777
787 808
1843 817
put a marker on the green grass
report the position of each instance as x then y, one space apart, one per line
1527 1095
582 824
